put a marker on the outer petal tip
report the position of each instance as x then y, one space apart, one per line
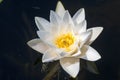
31 43
71 66
95 33
37 20
79 16
60 10
99 28
36 17
91 54
38 45
59 5
42 23
82 10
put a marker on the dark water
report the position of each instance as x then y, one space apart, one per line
17 26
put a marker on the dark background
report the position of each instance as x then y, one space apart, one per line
17 26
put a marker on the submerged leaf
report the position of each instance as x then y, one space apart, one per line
44 67
83 64
1 1
91 66
52 70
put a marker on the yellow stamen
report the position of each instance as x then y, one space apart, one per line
65 41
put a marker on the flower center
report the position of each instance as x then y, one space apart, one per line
65 41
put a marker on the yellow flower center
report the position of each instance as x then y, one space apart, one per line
65 41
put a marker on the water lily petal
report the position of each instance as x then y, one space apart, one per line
60 9
67 18
67 24
79 16
90 54
81 27
38 45
73 50
45 36
95 33
55 22
42 34
77 53
54 18
51 55
84 37
42 24
70 65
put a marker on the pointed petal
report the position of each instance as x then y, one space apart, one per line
70 65
77 53
54 18
84 37
79 16
67 18
50 55
73 50
90 54
60 9
42 34
95 33
42 23
67 24
81 27
38 45
45 36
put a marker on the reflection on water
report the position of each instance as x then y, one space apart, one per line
19 62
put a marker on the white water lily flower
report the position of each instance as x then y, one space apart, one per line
65 39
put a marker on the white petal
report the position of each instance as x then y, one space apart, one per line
84 37
38 45
91 54
51 55
67 18
42 23
60 9
79 16
54 18
71 65
73 50
67 24
95 33
45 36
77 53
81 27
